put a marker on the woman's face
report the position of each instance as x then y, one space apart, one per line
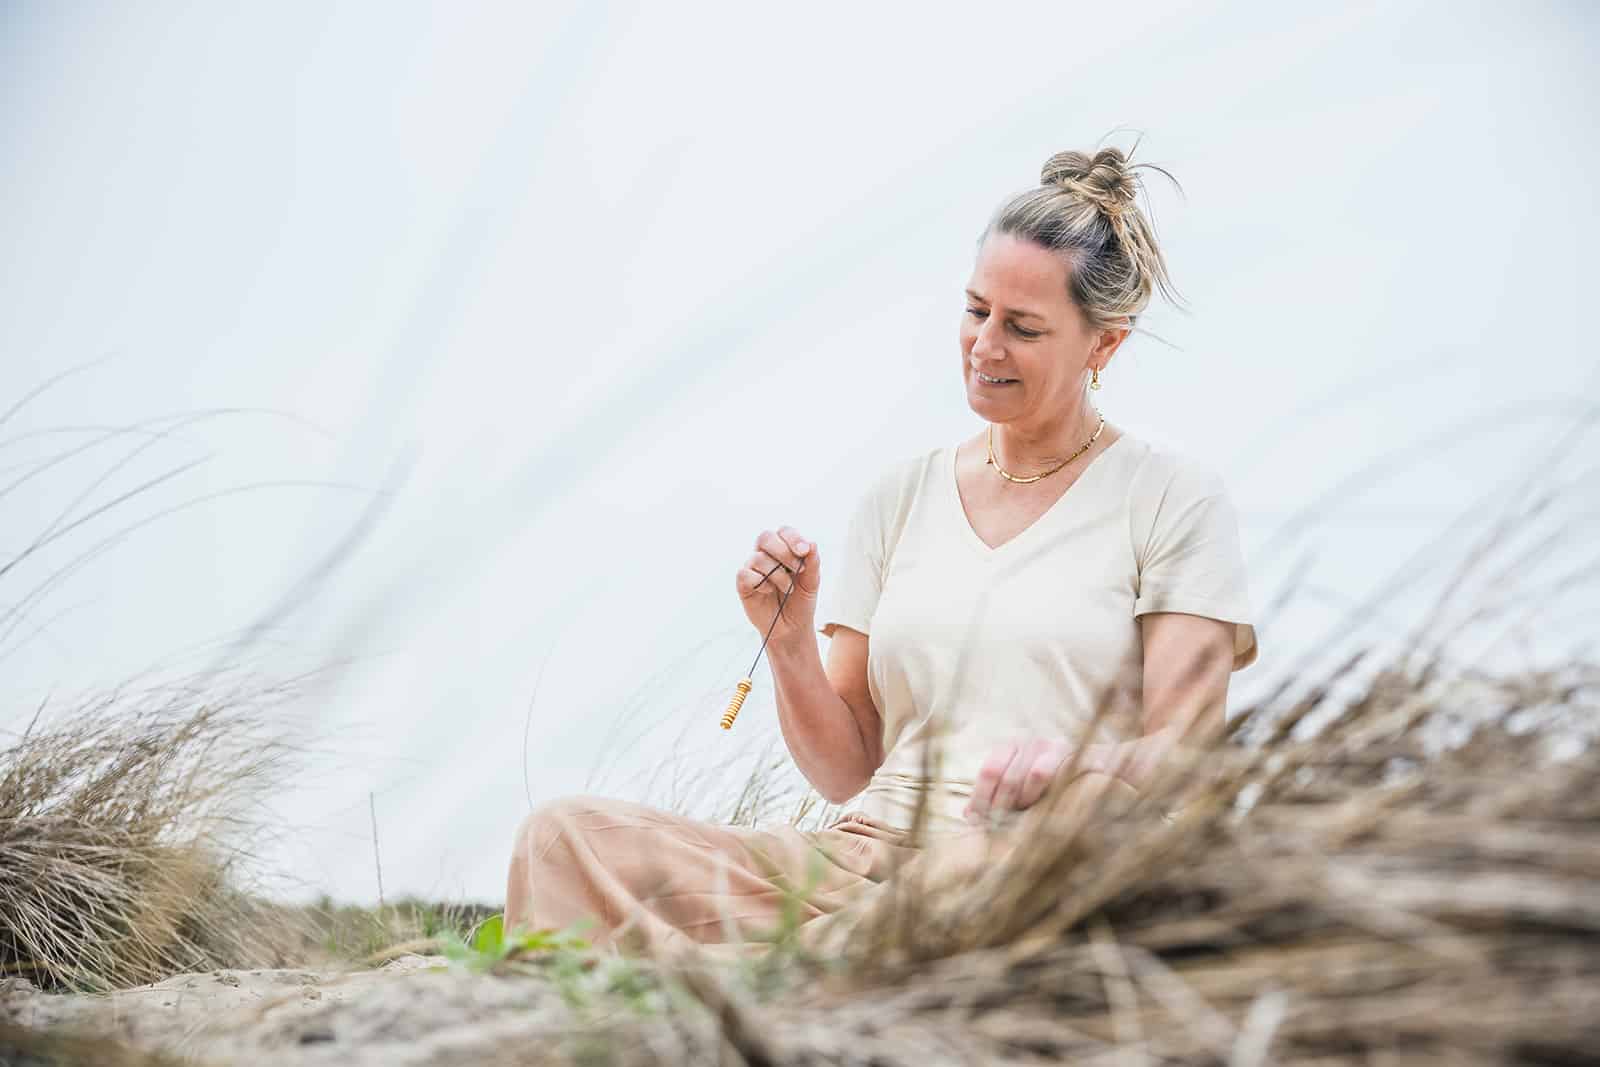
1021 326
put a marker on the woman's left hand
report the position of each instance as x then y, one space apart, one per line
1017 773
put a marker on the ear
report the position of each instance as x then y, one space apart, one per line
1106 345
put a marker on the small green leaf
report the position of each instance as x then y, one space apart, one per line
533 941
491 936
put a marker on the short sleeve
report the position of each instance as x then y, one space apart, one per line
1192 562
852 586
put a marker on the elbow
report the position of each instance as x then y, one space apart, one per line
835 796
844 791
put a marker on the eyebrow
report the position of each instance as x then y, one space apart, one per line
1016 312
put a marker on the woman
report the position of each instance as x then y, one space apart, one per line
992 598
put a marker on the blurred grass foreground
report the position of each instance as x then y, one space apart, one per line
1392 862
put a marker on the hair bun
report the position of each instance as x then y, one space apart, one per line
1104 178
1086 211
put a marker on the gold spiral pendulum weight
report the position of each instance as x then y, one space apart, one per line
742 690
736 703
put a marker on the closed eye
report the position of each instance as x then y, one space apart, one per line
979 313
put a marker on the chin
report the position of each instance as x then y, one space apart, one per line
984 405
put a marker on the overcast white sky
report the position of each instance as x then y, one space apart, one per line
605 290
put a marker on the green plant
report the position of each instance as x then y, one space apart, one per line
490 948
586 981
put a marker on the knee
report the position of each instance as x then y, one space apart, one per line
541 828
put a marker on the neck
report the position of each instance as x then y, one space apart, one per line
1027 446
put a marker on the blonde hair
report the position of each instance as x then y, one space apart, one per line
1085 210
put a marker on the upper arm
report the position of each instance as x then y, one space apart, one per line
1190 561
847 673
1187 662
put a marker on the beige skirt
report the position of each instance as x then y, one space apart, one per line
644 879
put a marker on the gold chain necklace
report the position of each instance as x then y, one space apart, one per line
1024 481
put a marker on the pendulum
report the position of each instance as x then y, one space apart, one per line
743 687
736 703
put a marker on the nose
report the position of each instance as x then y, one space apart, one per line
986 346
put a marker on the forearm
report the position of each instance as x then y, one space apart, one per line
1139 760
818 726
1187 662
1135 761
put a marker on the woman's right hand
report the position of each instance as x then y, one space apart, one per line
801 570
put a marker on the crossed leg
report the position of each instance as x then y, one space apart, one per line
651 879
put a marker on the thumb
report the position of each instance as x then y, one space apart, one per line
809 578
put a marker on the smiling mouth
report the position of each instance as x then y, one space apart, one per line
982 377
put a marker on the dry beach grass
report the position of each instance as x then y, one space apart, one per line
121 825
1412 884
1391 860
1370 895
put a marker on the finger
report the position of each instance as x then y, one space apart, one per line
808 576
988 779
796 544
748 580
1010 785
1036 780
779 549
778 574
767 573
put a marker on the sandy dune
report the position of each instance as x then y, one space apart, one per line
411 1011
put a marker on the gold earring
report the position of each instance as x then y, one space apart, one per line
1094 382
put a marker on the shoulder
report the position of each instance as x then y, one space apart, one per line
1174 498
890 493
1164 477
901 478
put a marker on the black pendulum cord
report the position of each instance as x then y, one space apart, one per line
743 688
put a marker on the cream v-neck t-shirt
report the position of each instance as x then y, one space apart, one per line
980 645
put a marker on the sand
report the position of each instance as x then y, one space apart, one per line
413 1010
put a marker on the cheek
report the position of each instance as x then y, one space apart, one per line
1065 360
